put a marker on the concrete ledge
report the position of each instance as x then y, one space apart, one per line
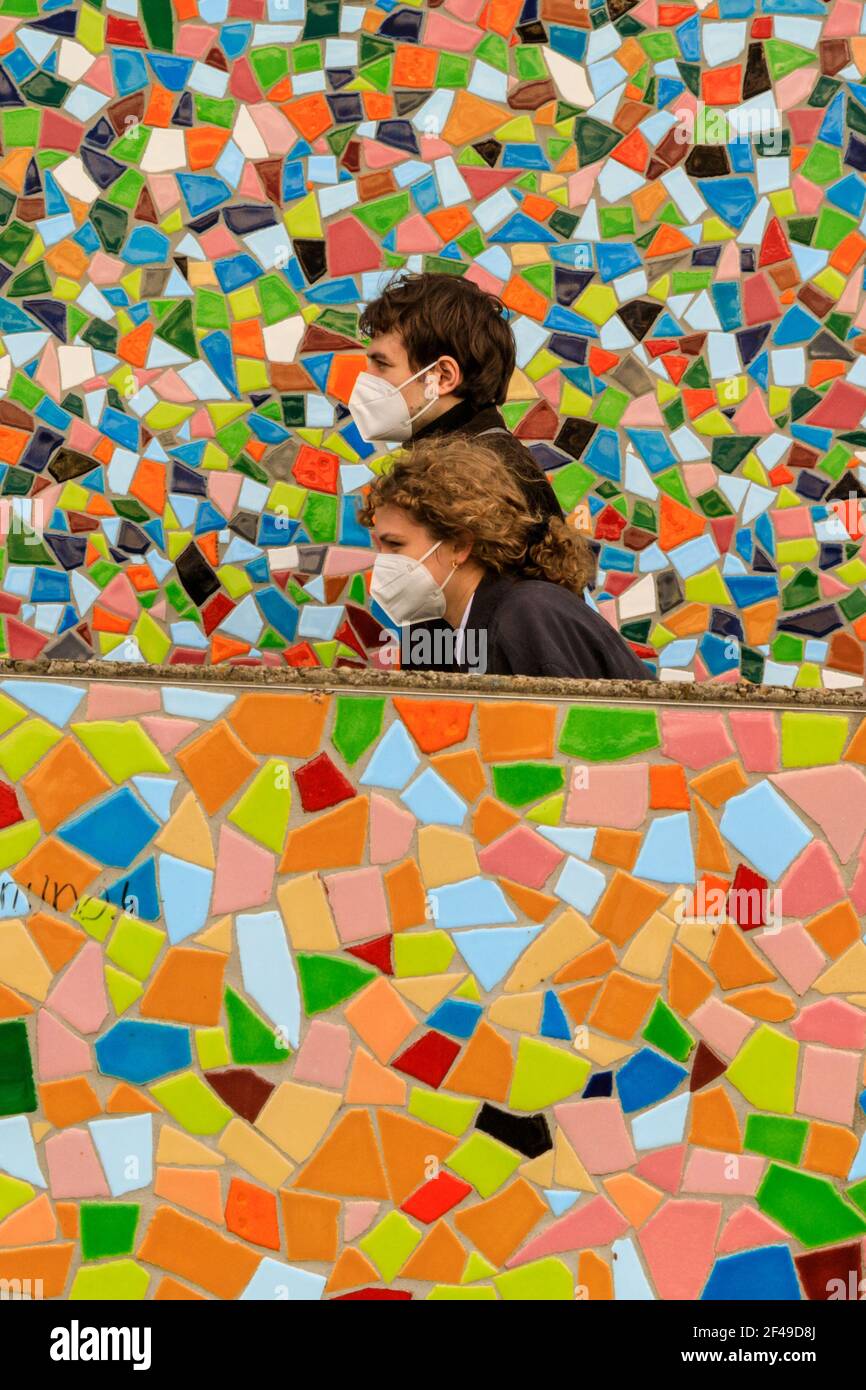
499 687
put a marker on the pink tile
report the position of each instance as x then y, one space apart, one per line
522 855
79 996
729 1175
73 1167
597 1131
595 1223
696 738
611 796
813 882
828 1085
112 701
357 901
664 1168
832 1021
757 737
391 830
58 1050
678 1243
358 1217
794 953
324 1056
244 873
747 1229
722 1027
834 797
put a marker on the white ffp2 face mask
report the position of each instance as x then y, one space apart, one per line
406 589
380 410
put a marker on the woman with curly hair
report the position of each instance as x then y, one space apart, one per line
456 541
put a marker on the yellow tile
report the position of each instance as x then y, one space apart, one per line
567 936
307 914
522 1012
175 1147
296 1117
240 1143
187 834
445 856
22 965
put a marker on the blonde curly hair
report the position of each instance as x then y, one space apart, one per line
458 486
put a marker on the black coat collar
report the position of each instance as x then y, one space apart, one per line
463 418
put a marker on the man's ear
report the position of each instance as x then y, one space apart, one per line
450 375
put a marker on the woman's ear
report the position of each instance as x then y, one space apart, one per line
462 547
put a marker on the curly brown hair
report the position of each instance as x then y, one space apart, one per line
458 486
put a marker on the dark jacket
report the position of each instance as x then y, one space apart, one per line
467 419
526 627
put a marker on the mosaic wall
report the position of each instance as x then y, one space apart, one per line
348 996
196 196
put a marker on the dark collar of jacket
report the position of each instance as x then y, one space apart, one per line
463 418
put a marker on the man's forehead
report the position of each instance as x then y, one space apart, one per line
389 345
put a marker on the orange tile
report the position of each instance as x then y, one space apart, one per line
347 1163
185 1246
187 987
710 850
62 781
311 1225
434 724
439 1259
624 906
594 1277
497 1226
197 1189
622 1005
689 984
352 1271
173 1290
280 722
67 1219
577 1001
485 1066
12 1005
57 873
720 783
58 941
127 1100
535 905
837 927
668 790
251 1213
771 1005
734 962
636 1199
216 765
407 1148
407 900
617 847
332 840
45 1264
69 1102
381 1018
830 1149
513 729
714 1123
491 819
590 964
462 771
